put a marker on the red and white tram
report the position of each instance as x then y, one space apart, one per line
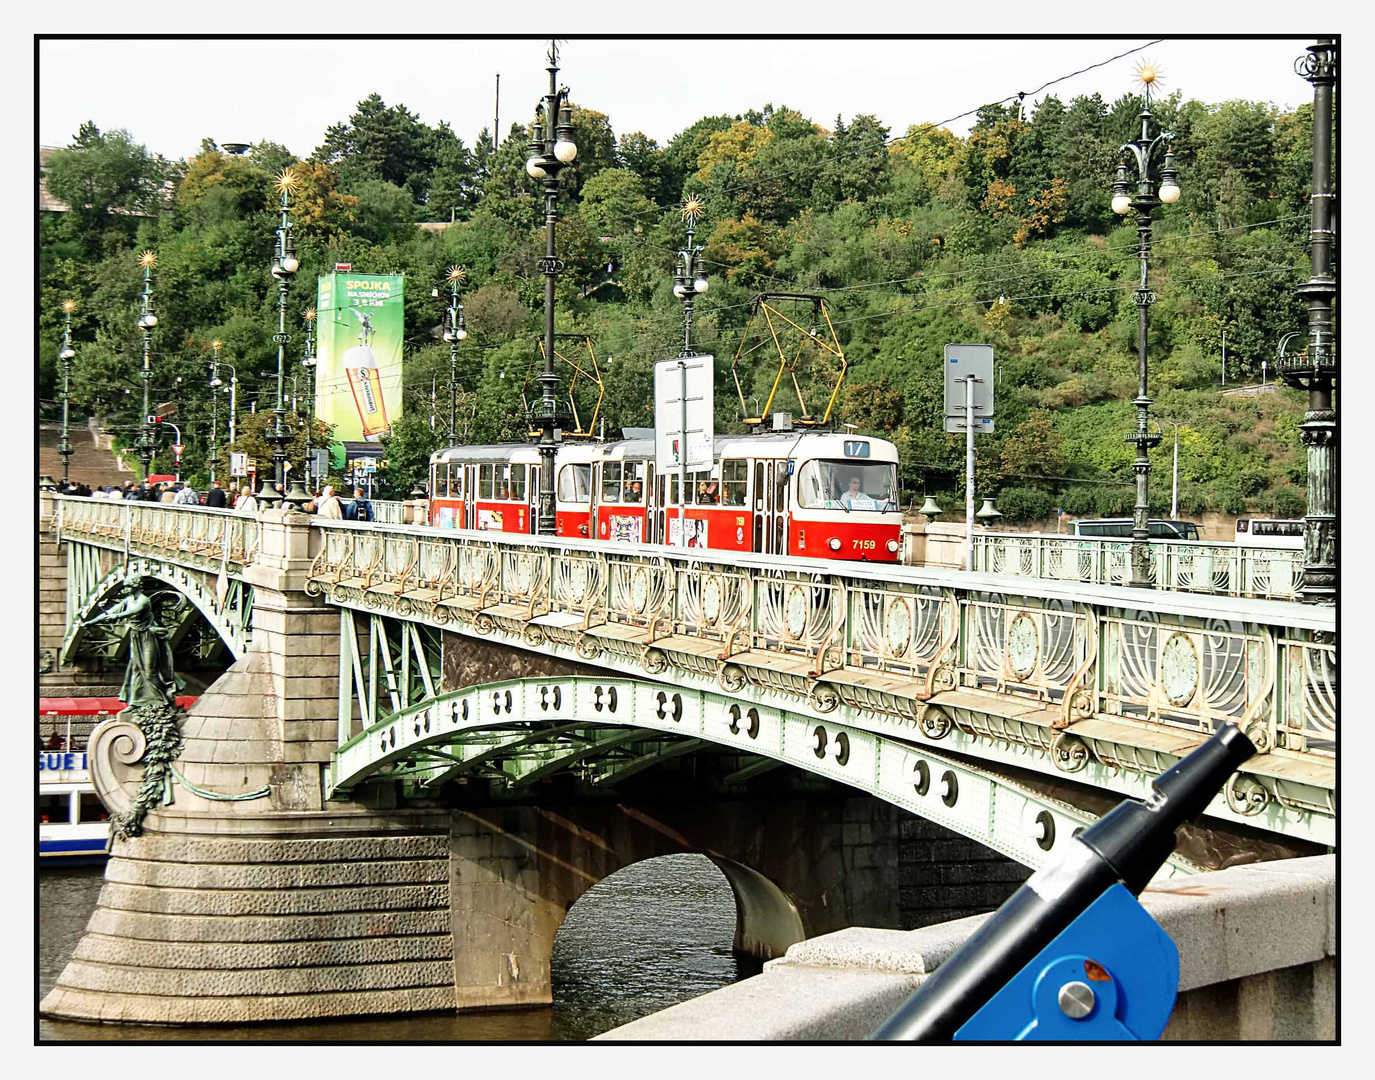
814 494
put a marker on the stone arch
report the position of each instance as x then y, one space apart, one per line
216 601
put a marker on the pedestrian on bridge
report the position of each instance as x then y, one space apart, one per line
215 497
247 504
329 505
187 496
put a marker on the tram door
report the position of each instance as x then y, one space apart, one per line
771 507
532 496
469 496
594 500
652 519
658 510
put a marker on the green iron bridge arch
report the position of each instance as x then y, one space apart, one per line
609 728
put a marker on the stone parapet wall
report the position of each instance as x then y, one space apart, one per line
1257 949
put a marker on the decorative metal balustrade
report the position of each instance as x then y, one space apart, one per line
1062 674
193 535
1177 566
388 512
886 639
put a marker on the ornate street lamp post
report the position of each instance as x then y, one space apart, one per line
308 362
690 275
454 332
1315 368
284 265
214 404
66 355
1143 200
551 150
146 321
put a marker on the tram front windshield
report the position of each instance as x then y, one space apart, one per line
847 485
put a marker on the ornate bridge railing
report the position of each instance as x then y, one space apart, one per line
1183 566
882 639
193 535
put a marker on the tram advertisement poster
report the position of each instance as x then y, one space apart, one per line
358 373
671 443
696 532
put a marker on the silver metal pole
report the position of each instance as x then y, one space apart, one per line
969 473
233 409
682 458
1174 483
1224 358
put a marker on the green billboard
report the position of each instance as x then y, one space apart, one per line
358 369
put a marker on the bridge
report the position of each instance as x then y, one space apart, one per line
399 693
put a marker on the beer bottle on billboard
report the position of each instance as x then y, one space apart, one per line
365 381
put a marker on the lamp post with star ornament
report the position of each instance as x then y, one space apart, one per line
284 265
454 332
1139 193
66 355
551 150
690 275
146 321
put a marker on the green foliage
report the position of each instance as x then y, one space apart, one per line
407 450
1004 236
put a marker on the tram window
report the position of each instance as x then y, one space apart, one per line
634 487
673 490
781 486
575 483
846 485
92 809
484 482
54 809
758 493
439 481
518 483
708 489
734 477
611 481
455 481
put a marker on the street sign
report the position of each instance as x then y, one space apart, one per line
684 401
955 425
319 465
370 465
238 464
343 267
177 448
960 362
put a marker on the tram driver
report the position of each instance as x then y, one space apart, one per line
855 497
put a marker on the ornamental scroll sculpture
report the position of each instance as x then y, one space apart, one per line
147 729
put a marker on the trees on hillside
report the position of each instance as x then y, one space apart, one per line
1004 235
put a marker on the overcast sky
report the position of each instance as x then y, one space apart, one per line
290 91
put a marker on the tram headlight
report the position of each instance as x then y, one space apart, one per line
892 547
833 543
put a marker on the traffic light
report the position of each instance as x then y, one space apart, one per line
155 420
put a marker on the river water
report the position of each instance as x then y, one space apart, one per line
645 938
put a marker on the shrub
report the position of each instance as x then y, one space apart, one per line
1022 503
1290 502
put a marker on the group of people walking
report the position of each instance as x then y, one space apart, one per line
238 498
